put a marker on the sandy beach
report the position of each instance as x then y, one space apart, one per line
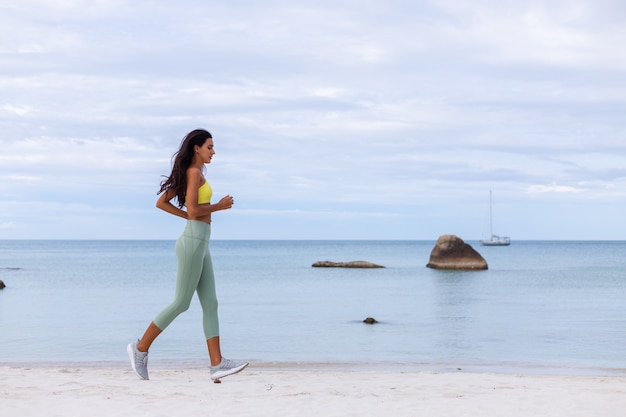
51 390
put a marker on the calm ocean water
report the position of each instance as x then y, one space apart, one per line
541 306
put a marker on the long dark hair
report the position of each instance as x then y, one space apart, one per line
177 180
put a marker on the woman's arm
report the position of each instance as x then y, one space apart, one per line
164 202
195 210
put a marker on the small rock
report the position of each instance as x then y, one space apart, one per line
370 320
2 285
352 264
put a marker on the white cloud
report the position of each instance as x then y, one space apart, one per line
553 188
27 178
562 33
16 109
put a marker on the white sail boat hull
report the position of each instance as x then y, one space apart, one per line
496 241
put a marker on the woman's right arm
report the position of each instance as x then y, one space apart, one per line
164 202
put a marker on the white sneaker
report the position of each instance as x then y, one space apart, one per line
138 360
225 368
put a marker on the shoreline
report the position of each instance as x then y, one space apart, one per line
36 390
393 367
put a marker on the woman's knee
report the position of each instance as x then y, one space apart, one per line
209 305
180 306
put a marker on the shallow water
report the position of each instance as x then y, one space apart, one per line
541 305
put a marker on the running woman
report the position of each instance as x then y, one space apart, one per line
188 185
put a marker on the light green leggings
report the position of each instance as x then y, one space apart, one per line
195 274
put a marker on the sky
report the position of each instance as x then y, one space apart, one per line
331 119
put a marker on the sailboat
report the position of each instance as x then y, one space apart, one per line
495 240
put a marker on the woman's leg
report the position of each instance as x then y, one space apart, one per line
220 366
189 252
152 332
215 352
208 300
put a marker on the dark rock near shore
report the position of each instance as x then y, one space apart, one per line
451 252
2 285
370 320
352 264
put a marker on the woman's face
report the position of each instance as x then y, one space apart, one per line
206 151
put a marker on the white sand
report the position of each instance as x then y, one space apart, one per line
37 390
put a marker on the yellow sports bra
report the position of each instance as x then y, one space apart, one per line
205 192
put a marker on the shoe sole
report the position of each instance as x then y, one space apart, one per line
219 375
131 355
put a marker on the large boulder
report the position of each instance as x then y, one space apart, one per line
451 252
352 264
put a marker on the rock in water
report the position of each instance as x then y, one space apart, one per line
370 320
451 252
2 285
352 264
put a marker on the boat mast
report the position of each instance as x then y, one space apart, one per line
490 216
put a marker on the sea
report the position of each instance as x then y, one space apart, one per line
556 307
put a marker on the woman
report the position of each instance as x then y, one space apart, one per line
187 184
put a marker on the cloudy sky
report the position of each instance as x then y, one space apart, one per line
332 119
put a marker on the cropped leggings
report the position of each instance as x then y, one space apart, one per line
195 274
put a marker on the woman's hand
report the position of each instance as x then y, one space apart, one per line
225 203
